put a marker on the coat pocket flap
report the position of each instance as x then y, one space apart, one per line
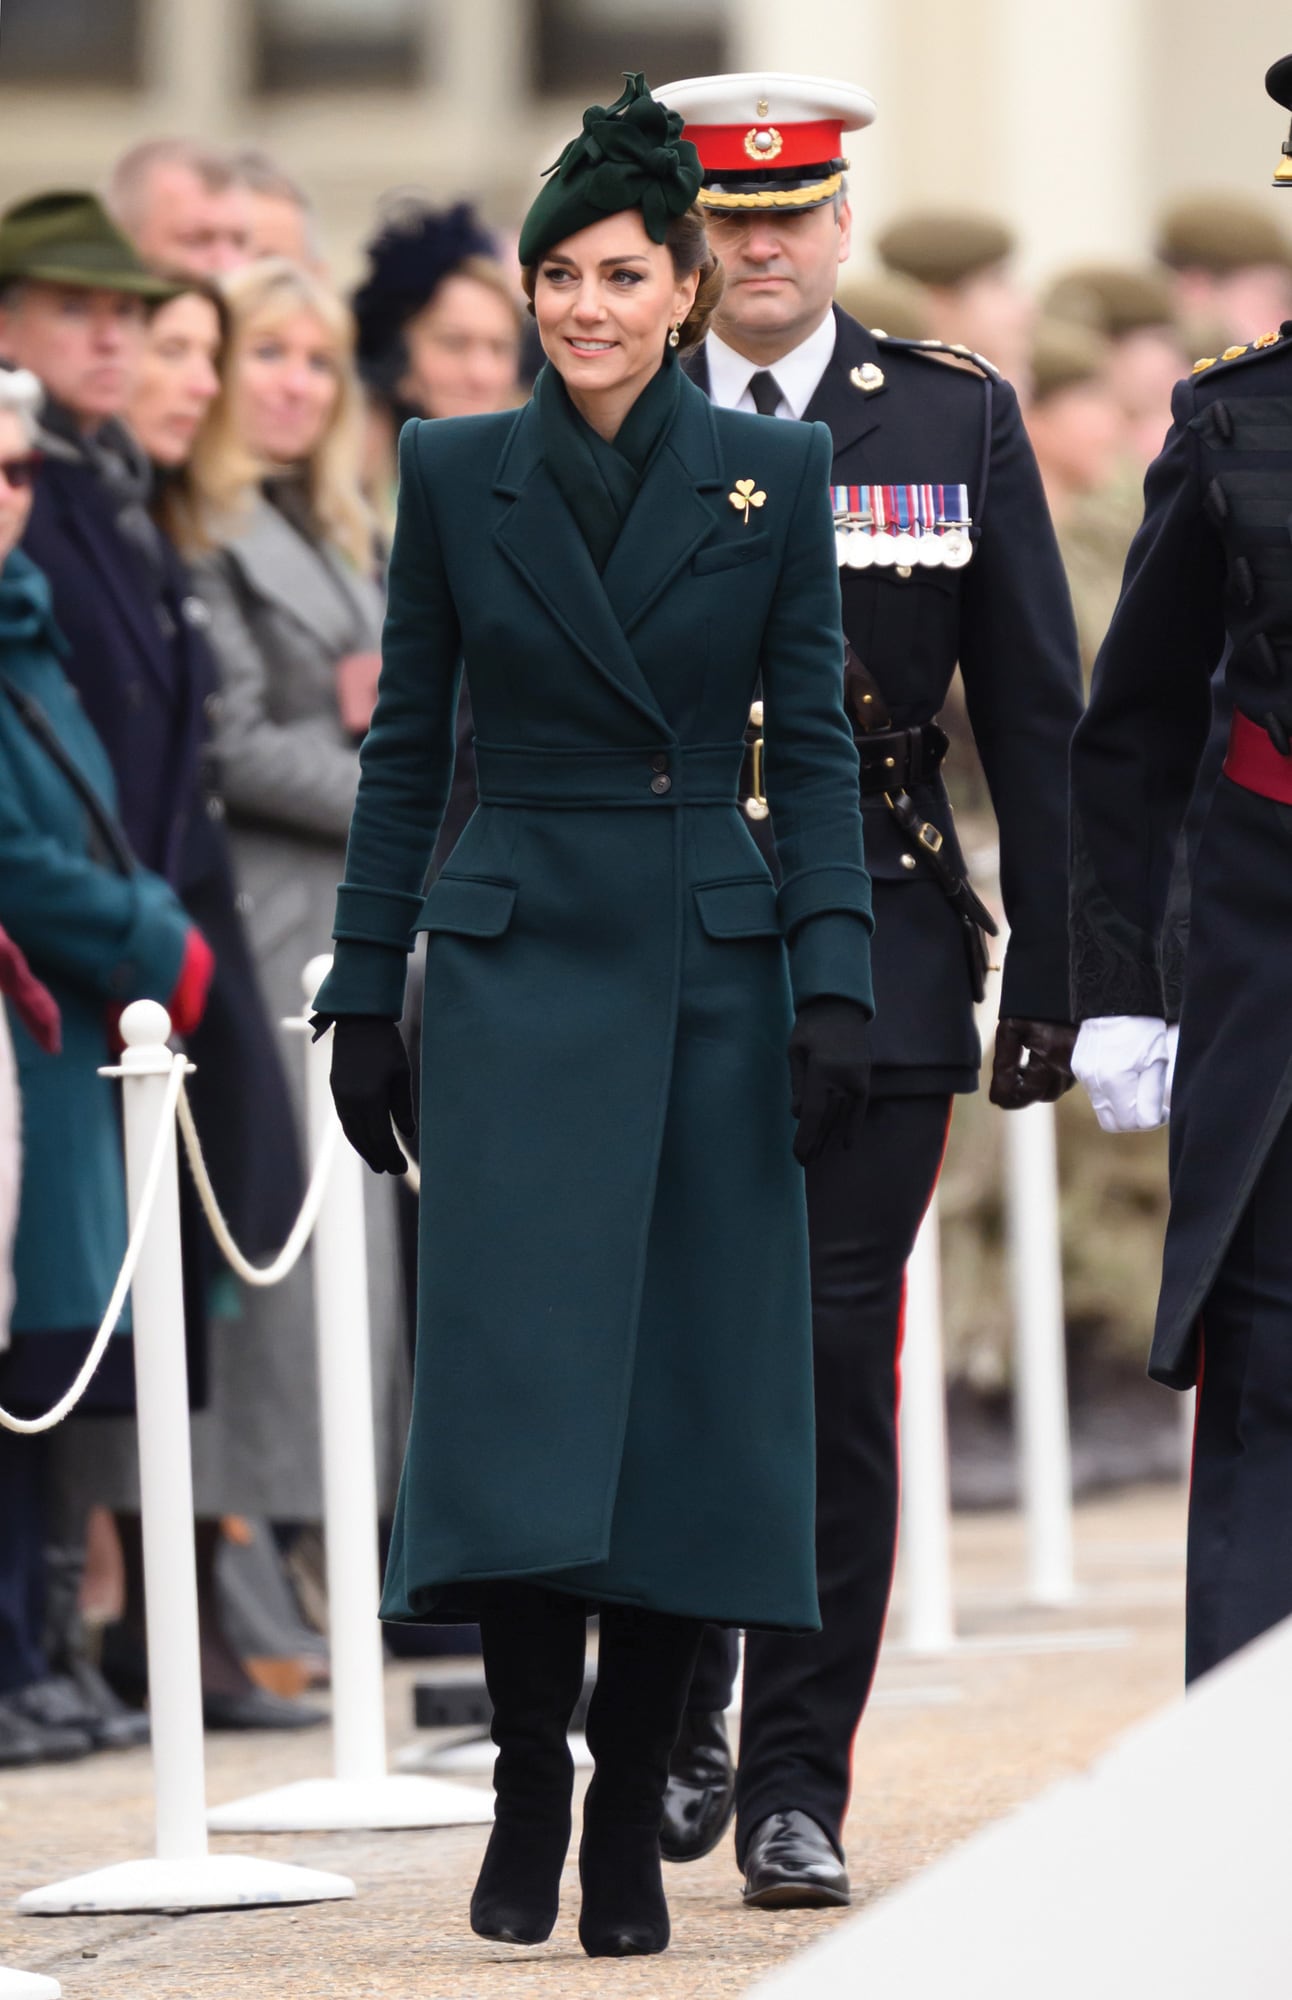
737 909
729 554
470 905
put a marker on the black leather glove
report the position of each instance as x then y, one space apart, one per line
371 1084
829 1075
1032 1063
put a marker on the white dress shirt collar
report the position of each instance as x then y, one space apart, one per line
797 373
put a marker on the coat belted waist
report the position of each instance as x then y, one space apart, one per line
665 774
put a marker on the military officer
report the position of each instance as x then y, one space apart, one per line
1209 580
946 554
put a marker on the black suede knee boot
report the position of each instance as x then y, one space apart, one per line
644 1669
533 1643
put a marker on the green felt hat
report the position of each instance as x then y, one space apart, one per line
629 155
67 238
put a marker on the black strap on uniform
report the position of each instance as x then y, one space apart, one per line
38 725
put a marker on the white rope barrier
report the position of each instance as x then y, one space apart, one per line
177 1105
32 1426
262 1275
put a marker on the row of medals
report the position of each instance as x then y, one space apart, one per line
860 547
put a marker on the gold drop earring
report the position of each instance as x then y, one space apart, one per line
676 335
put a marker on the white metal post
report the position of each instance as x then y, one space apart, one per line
361 1794
165 1468
926 1482
1040 1369
348 1441
183 1875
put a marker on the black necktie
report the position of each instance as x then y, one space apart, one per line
766 392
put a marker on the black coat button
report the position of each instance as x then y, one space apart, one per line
661 784
659 762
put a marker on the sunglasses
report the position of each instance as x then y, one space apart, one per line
20 473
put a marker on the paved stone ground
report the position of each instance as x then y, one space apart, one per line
949 1744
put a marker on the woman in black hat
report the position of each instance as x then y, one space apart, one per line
437 327
613 1404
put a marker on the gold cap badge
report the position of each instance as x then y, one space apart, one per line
867 378
763 143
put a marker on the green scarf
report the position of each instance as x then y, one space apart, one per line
598 481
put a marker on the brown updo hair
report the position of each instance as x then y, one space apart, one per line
688 245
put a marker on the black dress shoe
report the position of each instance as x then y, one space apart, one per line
111 1724
40 1722
19 1742
701 1794
791 1864
255 1708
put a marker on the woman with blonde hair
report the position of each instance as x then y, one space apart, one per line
286 573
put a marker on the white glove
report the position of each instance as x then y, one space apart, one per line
1126 1063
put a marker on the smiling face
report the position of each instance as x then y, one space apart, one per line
15 499
781 269
286 381
605 300
178 381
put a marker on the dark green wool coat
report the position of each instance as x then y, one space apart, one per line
96 937
613 1386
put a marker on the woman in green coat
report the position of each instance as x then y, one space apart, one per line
613 1403
99 931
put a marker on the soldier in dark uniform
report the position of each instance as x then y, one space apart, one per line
1209 579
946 555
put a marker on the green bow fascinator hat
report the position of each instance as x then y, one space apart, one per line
630 154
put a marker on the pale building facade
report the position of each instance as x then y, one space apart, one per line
1074 123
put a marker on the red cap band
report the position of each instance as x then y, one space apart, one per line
734 148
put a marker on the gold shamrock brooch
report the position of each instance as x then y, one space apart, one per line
745 497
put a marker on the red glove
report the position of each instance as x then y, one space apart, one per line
187 1003
33 1003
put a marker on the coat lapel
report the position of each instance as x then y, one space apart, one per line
537 534
850 413
669 519
282 568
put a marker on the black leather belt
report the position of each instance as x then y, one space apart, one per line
892 760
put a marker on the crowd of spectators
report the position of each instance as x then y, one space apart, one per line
197 450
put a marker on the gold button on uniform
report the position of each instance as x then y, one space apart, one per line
908 861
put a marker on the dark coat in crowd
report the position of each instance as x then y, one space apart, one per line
140 663
97 932
1005 620
611 1392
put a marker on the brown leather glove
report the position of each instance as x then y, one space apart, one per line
1032 1063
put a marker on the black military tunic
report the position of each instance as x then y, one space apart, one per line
900 415
1209 581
